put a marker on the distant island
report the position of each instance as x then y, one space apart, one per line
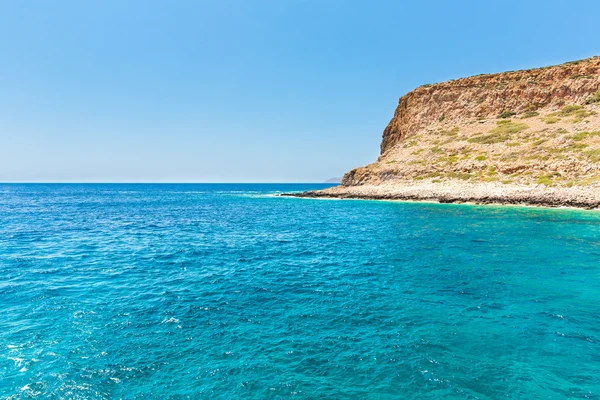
333 180
524 137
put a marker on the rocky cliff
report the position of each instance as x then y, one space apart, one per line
539 126
529 137
485 96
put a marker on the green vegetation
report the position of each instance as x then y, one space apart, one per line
428 175
594 99
533 107
589 180
489 139
500 133
576 146
509 127
579 112
593 154
417 162
573 110
544 180
579 76
442 117
530 114
548 179
584 135
507 114
557 152
509 157
459 175
542 157
481 158
451 132
551 119
569 110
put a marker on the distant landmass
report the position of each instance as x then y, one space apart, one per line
522 137
333 180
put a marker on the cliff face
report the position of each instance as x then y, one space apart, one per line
487 96
534 127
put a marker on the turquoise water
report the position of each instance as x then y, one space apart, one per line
223 291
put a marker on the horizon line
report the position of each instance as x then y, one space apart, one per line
158 183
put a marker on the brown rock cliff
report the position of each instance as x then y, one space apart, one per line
533 127
485 96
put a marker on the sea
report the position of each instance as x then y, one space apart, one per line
228 291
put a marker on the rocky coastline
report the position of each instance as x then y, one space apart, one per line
527 137
487 193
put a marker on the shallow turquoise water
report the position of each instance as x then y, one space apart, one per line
221 291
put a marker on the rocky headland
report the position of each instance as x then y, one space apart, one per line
527 137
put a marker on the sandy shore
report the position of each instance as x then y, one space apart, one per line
480 193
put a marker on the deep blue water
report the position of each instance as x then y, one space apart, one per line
226 292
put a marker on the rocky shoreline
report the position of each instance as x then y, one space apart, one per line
480 193
527 137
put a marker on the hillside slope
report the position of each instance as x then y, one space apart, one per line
535 132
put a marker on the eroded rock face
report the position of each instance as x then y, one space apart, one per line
534 127
486 96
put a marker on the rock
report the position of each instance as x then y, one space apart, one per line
525 137
491 94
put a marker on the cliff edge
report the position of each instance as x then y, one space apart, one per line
522 137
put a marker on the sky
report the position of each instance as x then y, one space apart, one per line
244 90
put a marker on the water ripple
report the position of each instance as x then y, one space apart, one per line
225 291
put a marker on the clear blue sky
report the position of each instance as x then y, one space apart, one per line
246 90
